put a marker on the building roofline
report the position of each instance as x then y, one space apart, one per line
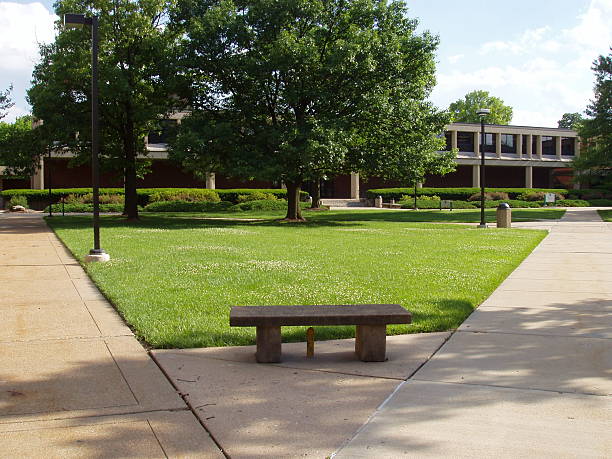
516 126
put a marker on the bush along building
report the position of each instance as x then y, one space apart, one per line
516 157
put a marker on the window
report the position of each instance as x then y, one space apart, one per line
508 143
524 144
161 135
489 144
548 145
567 146
465 141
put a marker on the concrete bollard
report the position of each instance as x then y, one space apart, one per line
378 202
504 216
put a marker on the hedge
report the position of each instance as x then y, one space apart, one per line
79 208
143 193
459 194
187 206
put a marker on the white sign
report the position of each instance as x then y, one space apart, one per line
549 197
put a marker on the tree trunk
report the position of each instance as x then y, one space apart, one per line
294 211
130 209
316 194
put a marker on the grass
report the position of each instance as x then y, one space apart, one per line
444 216
175 279
606 215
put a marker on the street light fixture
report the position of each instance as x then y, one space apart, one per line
78 21
482 112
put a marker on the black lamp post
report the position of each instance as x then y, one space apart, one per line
78 21
48 169
482 112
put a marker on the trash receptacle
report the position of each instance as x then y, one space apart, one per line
504 216
378 202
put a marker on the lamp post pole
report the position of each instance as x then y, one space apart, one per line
48 168
482 113
95 139
77 21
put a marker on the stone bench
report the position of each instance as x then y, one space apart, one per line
370 335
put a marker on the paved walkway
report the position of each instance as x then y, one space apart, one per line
74 382
529 374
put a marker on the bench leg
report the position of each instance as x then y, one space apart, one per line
371 342
268 345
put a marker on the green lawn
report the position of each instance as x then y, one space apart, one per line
606 215
175 279
445 216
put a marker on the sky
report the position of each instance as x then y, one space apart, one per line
536 55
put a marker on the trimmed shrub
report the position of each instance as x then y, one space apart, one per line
233 194
601 202
572 203
143 193
187 206
256 196
490 196
88 199
80 207
18 201
454 194
193 195
536 196
514 203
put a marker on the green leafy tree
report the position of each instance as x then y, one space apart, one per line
5 101
464 110
290 90
21 146
406 148
571 121
136 56
594 166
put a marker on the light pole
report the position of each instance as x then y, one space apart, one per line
482 112
78 21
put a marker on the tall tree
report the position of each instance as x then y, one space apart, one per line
464 110
571 121
136 55
288 90
406 147
5 101
20 145
594 165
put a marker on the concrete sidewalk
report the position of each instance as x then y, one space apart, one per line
74 382
528 374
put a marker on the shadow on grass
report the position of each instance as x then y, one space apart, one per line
313 220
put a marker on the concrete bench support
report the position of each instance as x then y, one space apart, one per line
268 345
371 342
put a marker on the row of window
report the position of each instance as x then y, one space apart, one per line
465 142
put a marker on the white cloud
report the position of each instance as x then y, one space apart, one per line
456 58
23 26
543 72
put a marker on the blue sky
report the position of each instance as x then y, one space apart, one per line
534 54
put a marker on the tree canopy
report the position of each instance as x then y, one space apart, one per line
18 146
594 165
571 121
289 90
5 101
464 110
135 66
